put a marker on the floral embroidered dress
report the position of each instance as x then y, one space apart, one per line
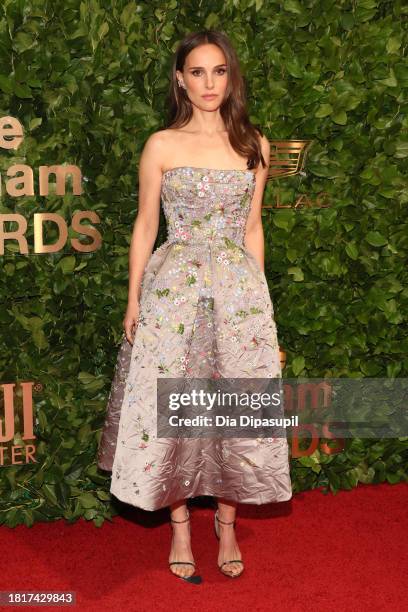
205 312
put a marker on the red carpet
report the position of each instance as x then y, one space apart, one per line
316 552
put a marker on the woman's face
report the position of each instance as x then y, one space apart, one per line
205 73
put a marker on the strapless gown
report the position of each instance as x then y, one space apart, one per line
205 312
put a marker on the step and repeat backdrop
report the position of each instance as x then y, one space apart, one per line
82 86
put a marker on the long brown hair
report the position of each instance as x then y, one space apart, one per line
242 133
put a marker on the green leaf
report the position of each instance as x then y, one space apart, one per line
22 91
297 273
401 149
293 6
103 30
324 110
34 122
23 41
48 491
212 21
298 365
352 250
376 239
98 521
284 220
6 84
103 495
294 69
393 478
87 500
67 264
391 81
90 514
339 117
393 44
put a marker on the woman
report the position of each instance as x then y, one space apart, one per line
199 306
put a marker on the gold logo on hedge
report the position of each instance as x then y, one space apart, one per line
287 158
21 183
16 424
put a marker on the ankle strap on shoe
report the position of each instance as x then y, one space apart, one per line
184 521
224 522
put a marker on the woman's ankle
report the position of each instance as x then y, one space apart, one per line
227 511
179 511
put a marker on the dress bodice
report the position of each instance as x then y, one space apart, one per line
206 204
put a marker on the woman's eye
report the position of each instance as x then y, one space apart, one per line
219 71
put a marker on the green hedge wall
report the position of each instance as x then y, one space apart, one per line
88 81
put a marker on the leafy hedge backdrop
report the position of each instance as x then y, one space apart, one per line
88 81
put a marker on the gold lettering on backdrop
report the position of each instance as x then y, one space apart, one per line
60 173
27 181
15 452
88 230
314 392
7 430
21 183
311 397
303 201
39 219
14 132
17 234
287 158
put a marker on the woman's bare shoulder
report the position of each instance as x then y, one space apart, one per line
159 143
156 147
161 146
159 138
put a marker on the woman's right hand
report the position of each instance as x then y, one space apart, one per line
130 321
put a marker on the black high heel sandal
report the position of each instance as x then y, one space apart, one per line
194 578
230 574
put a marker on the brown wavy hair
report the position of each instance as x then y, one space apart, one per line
243 135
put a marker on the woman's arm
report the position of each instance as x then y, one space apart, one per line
145 227
254 236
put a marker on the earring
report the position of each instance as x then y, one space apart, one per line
180 84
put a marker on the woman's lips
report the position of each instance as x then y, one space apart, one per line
209 96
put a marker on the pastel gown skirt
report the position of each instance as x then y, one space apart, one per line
205 312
